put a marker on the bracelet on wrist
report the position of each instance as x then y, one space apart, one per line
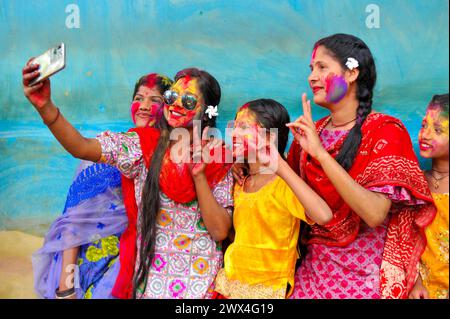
65 293
55 119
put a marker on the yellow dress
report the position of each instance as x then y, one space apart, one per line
260 263
434 261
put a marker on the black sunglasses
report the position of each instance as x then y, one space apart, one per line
189 101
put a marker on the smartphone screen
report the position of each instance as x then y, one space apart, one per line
51 62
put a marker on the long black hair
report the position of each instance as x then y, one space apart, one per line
271 114
341 47
210 90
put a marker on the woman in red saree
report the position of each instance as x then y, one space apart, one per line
363 164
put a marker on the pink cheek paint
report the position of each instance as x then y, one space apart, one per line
335 88
134 108
156 111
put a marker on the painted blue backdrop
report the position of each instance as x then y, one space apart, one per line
255 48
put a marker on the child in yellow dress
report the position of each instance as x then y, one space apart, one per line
260 263
433 281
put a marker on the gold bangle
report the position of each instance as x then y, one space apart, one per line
56 118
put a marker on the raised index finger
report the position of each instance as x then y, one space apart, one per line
307 108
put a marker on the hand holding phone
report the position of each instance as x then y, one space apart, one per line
51 62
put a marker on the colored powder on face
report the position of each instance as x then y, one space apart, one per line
151 80
444 125
185 85
243 107
134 108
157 111
185 121
245 115
435 118
313 56
335 88
186 81
438 108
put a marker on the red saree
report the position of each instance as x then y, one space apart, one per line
175 181
385 157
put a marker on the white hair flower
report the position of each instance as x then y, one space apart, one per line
212 111
352 63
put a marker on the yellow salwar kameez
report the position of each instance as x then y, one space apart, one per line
260 263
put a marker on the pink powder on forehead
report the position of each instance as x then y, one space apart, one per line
313 55
186 79
151 80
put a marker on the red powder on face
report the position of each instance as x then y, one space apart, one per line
134 108
186 81
151 80
243 107
313 56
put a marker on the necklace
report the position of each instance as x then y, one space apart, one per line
435 170
259 171
341 125
437 180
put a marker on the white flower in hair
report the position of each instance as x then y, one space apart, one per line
352 63
212 111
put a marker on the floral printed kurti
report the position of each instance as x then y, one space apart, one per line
187 259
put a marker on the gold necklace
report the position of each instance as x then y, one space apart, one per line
341 125
436 180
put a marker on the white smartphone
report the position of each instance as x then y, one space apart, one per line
51 62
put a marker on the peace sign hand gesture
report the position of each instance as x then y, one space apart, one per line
200 152
304 131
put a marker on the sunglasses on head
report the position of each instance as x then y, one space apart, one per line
188 101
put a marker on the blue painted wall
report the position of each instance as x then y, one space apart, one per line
255 48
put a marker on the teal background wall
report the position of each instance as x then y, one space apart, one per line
255 48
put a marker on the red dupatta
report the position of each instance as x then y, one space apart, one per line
175 181
385 157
